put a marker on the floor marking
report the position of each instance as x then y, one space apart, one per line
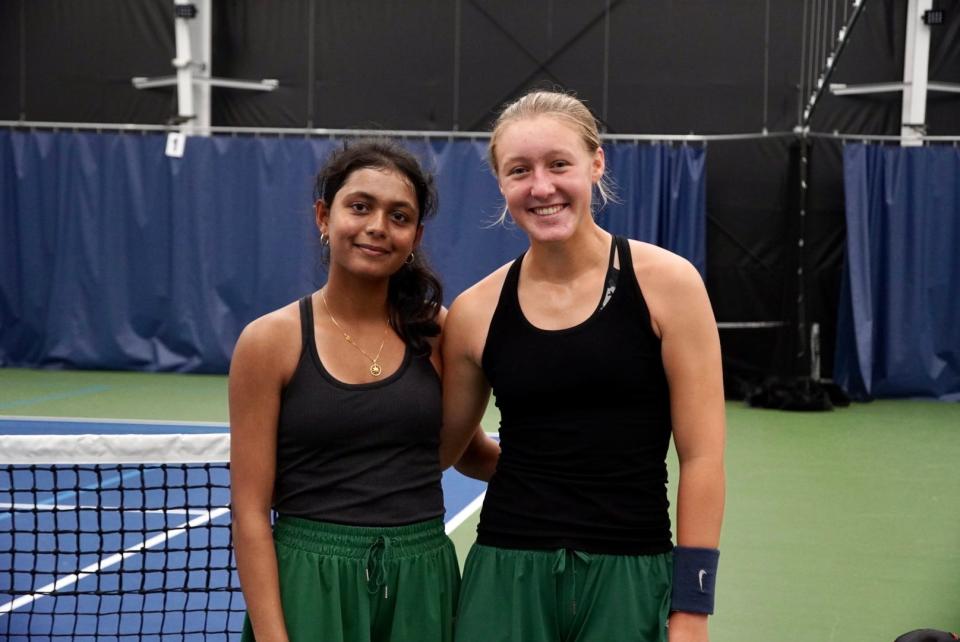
112 560
115 509
67 494
55 396
99 420
465 513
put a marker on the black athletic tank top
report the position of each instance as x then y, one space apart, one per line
359 454
585 425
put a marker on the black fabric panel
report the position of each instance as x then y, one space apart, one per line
502 56
257 40
751 255
81 55
10 44
943 109
381 64
825 239
679 67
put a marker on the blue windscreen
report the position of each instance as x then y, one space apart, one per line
898 331
113 255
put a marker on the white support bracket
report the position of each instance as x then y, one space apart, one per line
267 84
843 89
193 29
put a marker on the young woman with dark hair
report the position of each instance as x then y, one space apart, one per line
335 415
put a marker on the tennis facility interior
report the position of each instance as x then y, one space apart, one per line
157 164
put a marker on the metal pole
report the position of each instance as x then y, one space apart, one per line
916 59
606 62
23 59
803 65
183 63
457 15
801 257
766 64
311 60
201 29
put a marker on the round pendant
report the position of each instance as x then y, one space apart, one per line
375 369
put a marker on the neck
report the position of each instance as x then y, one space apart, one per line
355 300
562 261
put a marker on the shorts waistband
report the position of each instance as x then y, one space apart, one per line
356 541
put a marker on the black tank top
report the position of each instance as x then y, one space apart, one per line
585 425
359 454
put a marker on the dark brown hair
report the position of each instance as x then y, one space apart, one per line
414 295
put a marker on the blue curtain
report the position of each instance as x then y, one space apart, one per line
662 197
898 330
113 255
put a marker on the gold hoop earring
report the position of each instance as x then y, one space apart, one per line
410 259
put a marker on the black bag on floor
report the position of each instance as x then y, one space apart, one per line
797 393
927 635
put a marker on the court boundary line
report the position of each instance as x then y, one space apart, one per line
111 560
73 508
457 520
113 420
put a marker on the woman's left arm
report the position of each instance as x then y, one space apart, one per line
690 348
479 459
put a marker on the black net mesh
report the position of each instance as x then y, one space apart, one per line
117 552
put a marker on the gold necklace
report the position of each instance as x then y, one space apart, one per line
375 369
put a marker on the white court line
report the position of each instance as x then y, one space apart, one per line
98 420
465 513
112 560
117 509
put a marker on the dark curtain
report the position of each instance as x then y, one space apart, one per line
113 255
897 331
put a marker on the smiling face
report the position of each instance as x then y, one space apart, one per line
373 223
546 174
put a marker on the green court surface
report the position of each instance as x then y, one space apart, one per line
841 526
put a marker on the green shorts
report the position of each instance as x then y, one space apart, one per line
358 584
513 595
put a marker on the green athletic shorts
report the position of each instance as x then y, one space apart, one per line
511 595
358 584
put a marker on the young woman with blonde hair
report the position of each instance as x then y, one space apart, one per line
597 349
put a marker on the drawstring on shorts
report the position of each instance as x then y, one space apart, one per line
560 567
377 555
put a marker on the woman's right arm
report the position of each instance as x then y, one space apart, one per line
256 381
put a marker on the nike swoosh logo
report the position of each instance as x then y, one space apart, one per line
700 577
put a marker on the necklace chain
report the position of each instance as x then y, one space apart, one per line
375 369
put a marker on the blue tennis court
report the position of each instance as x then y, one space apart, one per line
127 550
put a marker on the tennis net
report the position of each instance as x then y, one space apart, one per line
117 537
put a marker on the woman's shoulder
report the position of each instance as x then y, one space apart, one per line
660 268
672 287
272 339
